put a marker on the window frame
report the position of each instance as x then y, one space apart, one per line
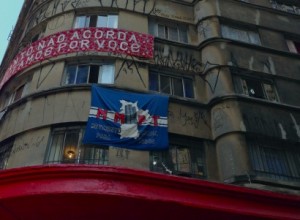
172 77
89 65
239 87
273 160
18 93
62 153
11 91
38 36
251 34
181 29
95 18
293 46
190 163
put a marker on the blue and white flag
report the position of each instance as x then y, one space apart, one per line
128 120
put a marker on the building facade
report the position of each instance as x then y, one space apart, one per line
230 69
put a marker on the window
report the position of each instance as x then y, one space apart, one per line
18 93
254 87
274 161
184 158
173 85
21 91
65 147
8 99
14 94
234 33
293 46
110 21
5 149
89 73
169 31
38 36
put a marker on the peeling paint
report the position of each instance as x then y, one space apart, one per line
296 126
283 132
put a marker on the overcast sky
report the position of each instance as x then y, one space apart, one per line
9 12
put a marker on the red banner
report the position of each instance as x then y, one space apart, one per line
82 40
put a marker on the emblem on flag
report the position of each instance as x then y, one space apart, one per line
129 120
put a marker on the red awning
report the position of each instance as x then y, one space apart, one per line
103 192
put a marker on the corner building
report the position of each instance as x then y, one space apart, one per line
230 69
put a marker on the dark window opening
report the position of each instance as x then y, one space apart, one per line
274 160
5 149
80 74
93 21
173 85
18 93
181 159
255 87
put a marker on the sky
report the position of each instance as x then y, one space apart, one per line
9 12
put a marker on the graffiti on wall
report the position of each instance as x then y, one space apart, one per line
170 14
181 60
130 66
122 153
186 61
34 142
42 77
144 6
56 7
220 117
190 118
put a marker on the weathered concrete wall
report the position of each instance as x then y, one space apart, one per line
129 158
29 148
233 159
69 106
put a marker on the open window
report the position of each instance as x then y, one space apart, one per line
89 73
256 87
109 21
